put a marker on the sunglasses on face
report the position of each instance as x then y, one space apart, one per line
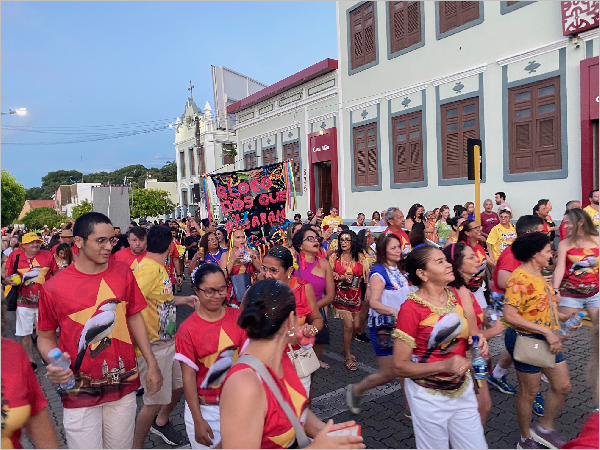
345 240
311 239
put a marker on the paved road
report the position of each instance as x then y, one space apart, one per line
382 419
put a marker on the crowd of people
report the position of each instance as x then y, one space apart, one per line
432 287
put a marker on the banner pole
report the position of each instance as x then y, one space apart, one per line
477 158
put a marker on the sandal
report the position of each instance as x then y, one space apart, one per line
350 357
350 364
323 365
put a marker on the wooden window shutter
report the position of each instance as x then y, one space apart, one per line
455 14
460 121
227 159
511 3
292 151
366 155
362 31
408 148
249 160
534 127
184 197
192 162
405 24
182 163
269 156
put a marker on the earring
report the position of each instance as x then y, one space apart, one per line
292 332
289 276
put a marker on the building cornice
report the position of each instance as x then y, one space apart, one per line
323 117
406 91
292 126
590 34
458 75
534 52
363 105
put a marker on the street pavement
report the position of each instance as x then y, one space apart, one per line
382 417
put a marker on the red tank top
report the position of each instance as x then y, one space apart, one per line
235 270
581 273
278 431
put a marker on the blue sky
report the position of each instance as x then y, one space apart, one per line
80 64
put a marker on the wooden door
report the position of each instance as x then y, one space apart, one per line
325 186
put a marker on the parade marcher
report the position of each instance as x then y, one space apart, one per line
192 243
388 290
34 268
350 270
443 226
63 256
291 230
395 224
465 265
333 220
576 273
251 415
470 234
222 236
161 321
501 236
132 255
415 217
278 264
592 208
542 209
66 237
500 198
455 224
432 219
530 310
208 252
97 304
470 207
318 273
488 218
207 345
562 233
432 329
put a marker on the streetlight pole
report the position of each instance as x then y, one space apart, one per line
20 112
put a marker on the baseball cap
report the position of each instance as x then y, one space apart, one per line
30 237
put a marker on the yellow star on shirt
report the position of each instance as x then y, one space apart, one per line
41 279
298 399
224 343
120 331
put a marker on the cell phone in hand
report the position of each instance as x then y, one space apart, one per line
353 430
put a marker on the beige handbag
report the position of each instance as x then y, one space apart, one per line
536 352
305 361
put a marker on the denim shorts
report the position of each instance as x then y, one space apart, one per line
580 303
378 351
510 338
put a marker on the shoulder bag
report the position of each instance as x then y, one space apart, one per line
13 294
264 373
305 361
536 352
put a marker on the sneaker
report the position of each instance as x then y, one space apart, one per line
407 414
353 401
527 443
139 391
362 338
549 438
538 405
502 385
545 378
168 434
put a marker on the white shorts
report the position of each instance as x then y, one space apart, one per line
306 383
440 421
109 425
211 414
26 317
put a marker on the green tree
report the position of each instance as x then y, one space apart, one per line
56 178
35 193
168 172
82 208
150 203
13 197
37 218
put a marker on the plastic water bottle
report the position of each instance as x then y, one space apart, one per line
572 322
58 359
491 315
480 368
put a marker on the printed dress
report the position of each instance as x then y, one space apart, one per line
347 301
581 273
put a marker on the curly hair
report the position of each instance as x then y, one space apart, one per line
412 212
354 244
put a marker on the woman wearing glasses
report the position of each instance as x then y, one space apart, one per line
470 234
278 264
212 255
350 269
239 265
203 358
319 275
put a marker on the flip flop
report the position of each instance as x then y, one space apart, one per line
350 364
323 365
350 357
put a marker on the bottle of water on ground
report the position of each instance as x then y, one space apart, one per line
58 359
572 322
480 368
492 316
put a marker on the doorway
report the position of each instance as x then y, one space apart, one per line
323 196
595 141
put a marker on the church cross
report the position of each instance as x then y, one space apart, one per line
191 88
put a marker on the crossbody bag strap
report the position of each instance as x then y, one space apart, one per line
553 313
260 369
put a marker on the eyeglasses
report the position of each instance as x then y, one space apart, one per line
212 240
101 242
273 270
311 238
213 293
475 228
345 240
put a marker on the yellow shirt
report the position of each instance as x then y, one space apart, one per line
593 214
500 238
332 221
155 284
529 295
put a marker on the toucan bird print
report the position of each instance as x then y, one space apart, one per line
217 372
444 331
97 329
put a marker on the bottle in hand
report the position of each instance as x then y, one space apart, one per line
572 322
58 359
491 315
480 369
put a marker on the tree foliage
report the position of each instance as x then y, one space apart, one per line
150 203
13 197
168 172
82 208
35 193
37 218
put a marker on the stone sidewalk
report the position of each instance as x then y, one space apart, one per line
382 419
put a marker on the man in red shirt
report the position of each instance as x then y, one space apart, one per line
505 266
34 267
66 237
97 304
395 222
489 219
562 233
132 255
